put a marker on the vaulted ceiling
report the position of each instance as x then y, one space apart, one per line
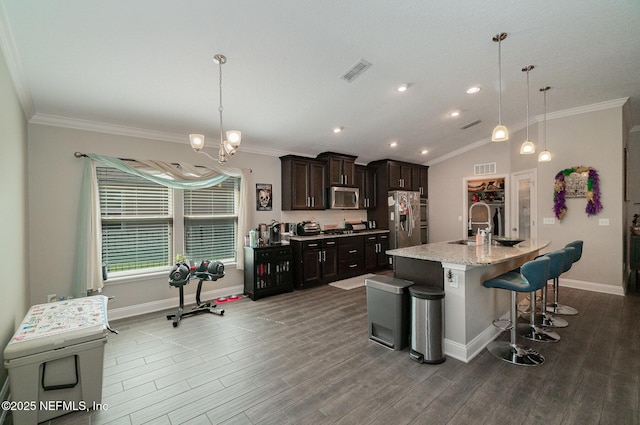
147 65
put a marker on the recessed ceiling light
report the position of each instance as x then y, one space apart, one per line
454 114
338 129
424 151
473 90
393 144
403 87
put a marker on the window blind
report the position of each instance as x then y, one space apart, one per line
136 221
210 221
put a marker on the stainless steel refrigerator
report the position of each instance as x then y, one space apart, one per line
404 219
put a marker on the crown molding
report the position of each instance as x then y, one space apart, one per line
99 127
609 104
10 53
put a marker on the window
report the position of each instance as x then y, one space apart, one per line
211 221
142 230
137 222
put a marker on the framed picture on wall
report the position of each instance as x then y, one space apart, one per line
264 197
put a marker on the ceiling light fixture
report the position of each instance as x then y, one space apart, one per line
545 155
424 152
338 129
454 114
393 144
527 146
473 90
403 87
229 146
500 132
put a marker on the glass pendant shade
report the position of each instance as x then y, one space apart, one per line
545 156
527 148
229 148
500 134
234 137
197 141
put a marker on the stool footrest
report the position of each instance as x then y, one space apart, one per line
503 324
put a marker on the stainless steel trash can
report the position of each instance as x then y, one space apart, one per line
427 324
388 311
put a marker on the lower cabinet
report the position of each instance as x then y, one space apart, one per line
374 252
351 256
267 270
316 261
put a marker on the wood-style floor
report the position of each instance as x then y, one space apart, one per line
305 358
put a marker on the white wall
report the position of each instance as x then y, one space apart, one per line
13 214
592 139
54 187
447 192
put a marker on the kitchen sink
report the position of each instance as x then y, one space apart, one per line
463 242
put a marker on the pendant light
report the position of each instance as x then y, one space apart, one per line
500 132
527 147
545 155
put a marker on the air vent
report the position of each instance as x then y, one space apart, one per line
471 124
482 169
356 70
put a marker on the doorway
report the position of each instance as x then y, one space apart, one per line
524 205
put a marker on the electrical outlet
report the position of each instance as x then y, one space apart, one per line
603 222
51 298
548 220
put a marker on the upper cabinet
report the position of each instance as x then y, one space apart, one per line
365 180
403 176
395 175
339 170
302 183
423 180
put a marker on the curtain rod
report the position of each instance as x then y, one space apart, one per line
84 155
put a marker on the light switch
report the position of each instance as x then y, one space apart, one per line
603 222
549 220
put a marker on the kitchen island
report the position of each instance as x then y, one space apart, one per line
460 269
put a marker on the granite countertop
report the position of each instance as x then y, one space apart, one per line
339 235
455 253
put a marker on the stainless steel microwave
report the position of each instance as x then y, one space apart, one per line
343 198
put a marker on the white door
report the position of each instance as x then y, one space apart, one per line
524 205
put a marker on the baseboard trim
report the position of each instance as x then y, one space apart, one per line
153 306
592 286
466 353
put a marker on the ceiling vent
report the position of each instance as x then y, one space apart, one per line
356 70
482 169
471 124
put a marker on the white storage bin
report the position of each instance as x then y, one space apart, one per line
55 359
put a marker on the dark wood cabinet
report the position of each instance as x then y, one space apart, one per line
634 260
316 261
423 181
395 175
339 168
302 183
374 248
365 180
351 256
399 175
267 271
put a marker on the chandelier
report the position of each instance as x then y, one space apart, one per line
228 146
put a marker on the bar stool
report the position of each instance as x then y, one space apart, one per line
533 275
546 319
573 254
556 267
531 330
